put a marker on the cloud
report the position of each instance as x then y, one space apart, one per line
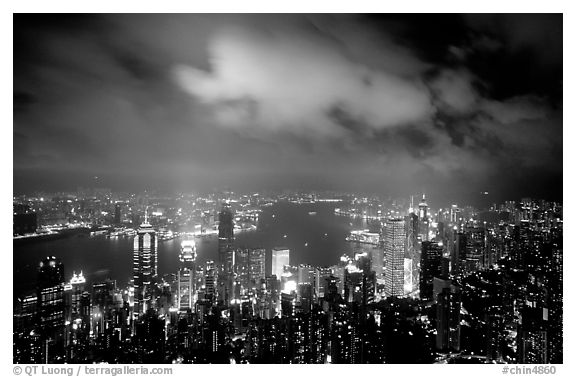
209 98
454 91
261 83
522 108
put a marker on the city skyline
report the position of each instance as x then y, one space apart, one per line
452 105
450 267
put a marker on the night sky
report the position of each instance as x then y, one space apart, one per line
388 104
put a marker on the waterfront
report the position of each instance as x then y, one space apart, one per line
318 240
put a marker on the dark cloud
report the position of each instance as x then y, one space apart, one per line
382 103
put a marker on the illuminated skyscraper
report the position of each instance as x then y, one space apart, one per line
320 276
394 247
145 266
257 267
226 254
226 239
51 306
210 280
280 258
118 213
186 275
77 284
532 336
448 318
423 208
412 255
424 221
430 265
249 268
475 248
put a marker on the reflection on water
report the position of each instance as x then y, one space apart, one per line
317 239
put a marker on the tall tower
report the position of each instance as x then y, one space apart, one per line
280 258
186 275
226 254
118 213
77 283
226 238
51 316
145 266
394 248
423 208
430 268
257 266
412 255
424 221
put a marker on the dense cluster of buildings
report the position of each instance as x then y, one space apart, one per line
438 286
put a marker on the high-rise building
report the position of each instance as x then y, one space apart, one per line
423 208
226 254
533 335
51 309
424 221
186 275
458 256
145 266
454 211
321 274
280 258
257 266
249 270
448 307
118 213
226 239
241 272
27 345
394 249
77 317
430 267
210 281
77 283
475 248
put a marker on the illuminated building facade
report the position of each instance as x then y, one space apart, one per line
51 310
226 254
187 275
226 239
430 267
423 218
280 258
394 248
448 305
145 266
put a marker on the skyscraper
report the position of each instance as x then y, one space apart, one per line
424 221
186 275
257 266
118 213
226 254
226 238
394 248
448 307
412 246
430 265
50 303
145 266
423 208
77 283
280 258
